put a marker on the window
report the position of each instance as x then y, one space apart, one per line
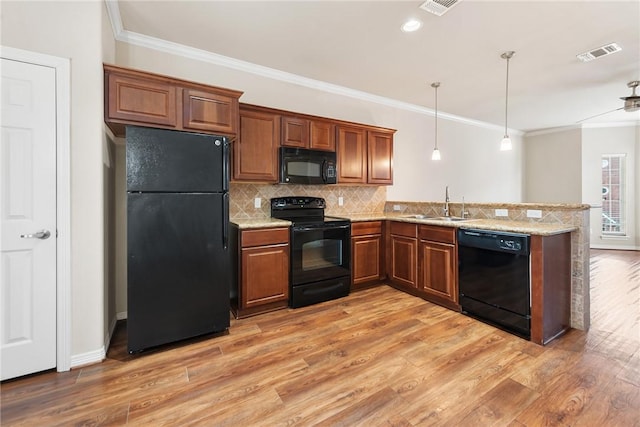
613 200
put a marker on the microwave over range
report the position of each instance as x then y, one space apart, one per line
303 166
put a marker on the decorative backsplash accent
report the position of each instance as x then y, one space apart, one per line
357 198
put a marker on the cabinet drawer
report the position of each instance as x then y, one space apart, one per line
365 228
437 234
265 236
404 229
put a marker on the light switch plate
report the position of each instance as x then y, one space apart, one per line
502 212
257 202
340 201
534 213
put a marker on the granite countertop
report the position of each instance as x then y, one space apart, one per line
538 228
260 223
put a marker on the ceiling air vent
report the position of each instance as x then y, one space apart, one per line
599 52
438 7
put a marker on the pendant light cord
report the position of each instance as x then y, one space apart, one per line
506 100
436 87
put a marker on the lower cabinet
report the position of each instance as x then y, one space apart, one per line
262 275
403 256
438 265
423 261
367 253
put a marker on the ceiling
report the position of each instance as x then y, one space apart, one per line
359 45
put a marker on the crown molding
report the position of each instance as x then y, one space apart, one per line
130 37
552 130
611 124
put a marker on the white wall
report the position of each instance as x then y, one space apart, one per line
121 231
472 164
553 166
74 30
612 140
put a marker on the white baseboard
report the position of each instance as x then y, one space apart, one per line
88 358
616 248
95 356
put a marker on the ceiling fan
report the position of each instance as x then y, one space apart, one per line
631 103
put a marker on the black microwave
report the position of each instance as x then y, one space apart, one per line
302 166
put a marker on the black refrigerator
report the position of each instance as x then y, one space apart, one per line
178 261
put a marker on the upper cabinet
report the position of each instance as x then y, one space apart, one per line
295 132
208 111
365 156
255 153
352 155
380 158
146 99
322 135
305 133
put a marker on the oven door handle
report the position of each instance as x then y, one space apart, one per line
323 228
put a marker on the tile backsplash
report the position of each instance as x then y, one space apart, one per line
357 198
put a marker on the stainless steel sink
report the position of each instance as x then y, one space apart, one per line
451 218
417 216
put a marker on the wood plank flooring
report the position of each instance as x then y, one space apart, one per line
377 357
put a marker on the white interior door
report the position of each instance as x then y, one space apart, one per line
28 210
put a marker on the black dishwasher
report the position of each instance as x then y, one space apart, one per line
493 273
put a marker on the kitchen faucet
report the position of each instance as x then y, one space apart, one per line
446 202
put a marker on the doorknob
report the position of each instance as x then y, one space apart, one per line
42 234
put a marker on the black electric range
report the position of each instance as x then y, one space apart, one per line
320 257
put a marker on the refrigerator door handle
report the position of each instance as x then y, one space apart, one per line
225 221
226 166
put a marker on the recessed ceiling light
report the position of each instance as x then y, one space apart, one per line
411 25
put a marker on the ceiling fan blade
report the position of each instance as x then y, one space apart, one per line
598 115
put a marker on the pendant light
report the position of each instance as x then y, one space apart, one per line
506 145
436 153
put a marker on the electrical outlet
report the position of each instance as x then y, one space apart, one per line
340 201
257 202
502 212
397 208
534 213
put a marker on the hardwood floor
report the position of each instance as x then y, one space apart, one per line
377 357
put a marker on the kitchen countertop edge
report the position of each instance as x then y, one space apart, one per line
260 223
537 228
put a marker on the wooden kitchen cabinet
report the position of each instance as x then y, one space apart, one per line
139 100
153 100
403 254
322 135
379 158
262 282
304 133
207 111
351 154
255 153
367 251
364 153
365 156
295 132
438 265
